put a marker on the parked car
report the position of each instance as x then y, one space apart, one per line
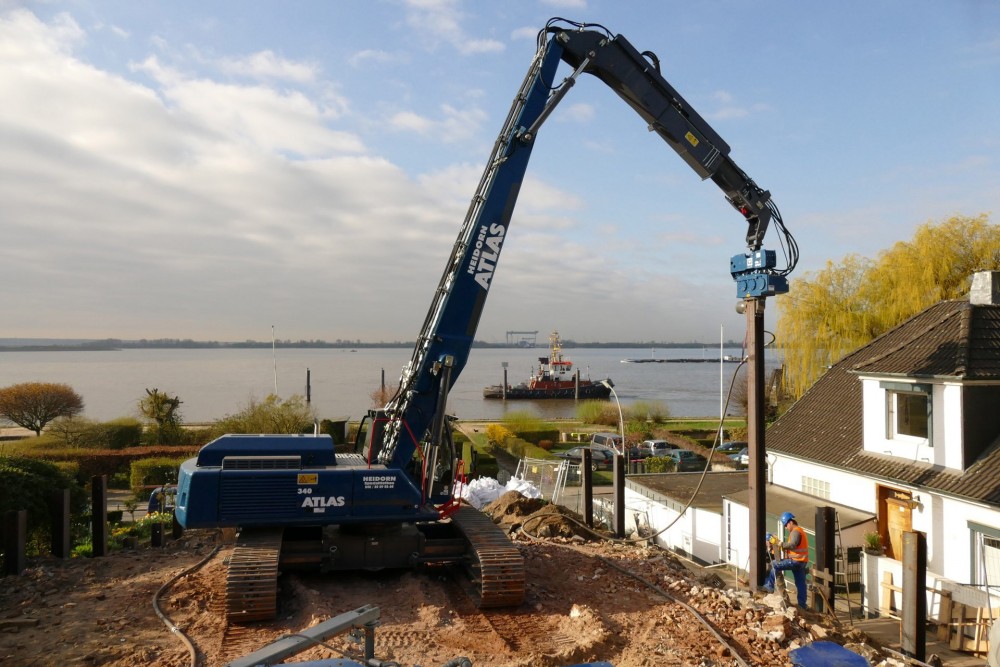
657 447
730 448
600 458
687 461
607 441
742 457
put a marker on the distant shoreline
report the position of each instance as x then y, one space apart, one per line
113 345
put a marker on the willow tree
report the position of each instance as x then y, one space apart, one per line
831 312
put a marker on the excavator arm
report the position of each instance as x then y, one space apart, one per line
442 348
639 83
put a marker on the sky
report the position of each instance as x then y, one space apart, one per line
215 170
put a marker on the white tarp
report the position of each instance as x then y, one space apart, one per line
484 490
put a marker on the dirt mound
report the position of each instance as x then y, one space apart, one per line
512 506
537 517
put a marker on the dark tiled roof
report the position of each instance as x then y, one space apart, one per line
680 487
949 339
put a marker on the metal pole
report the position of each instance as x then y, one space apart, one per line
621 415
308 387
274 359
755 437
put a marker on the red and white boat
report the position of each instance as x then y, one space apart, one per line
554 378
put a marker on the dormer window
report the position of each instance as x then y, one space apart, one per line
908 412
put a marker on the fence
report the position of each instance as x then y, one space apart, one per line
548 476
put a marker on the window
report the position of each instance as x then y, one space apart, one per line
986 560
908 408
911 414
816 487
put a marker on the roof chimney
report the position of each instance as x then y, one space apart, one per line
985 289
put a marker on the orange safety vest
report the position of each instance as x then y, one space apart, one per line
801 552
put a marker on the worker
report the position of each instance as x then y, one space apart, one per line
156 499
796 551
161 499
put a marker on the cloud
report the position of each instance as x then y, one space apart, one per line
377 56
578 113
566 4
527 32
267 65
257 115
440 22
156 202
726 107
452 126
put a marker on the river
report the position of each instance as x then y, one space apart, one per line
212 383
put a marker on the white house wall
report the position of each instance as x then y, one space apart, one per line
738 551
951 428
944 520
846 488
698 534
945 448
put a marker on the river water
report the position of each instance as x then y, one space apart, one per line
212 383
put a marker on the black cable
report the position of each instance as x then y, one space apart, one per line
163 617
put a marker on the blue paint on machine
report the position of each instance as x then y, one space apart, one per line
260 480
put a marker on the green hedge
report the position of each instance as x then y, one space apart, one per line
95 462
159 471
537 435
117 434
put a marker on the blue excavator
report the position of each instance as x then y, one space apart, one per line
392 502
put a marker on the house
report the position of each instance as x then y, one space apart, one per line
902 434
908 428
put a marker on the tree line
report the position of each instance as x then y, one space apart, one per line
834 311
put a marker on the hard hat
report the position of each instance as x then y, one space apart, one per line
786 517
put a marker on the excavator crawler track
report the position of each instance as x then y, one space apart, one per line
496 566
252 577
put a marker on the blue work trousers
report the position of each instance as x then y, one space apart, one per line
798 569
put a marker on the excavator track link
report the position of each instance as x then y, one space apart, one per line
496 566
252 577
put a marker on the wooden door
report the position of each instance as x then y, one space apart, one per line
899 519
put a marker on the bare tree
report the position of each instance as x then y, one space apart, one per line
32 405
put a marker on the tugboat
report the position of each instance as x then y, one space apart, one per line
553 379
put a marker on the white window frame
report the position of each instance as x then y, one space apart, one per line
893 392
986 559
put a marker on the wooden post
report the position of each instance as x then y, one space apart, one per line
156 535
885 605
826 552
914 613
61 545
944 629
15 539
99 515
